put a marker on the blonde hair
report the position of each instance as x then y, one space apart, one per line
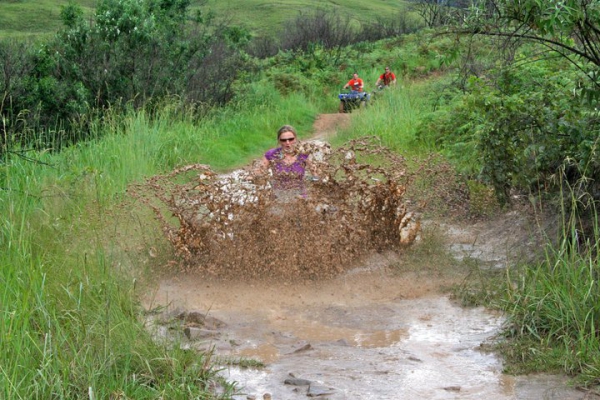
286 128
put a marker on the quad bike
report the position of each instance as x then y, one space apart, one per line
352 100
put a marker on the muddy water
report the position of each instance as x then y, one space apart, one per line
370 334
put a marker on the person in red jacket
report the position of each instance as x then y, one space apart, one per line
387 79
355 83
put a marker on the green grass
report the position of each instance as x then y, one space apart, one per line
553 307
392 116
265 16
74 255
29 18
25 18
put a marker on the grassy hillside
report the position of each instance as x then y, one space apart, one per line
25 18
262 16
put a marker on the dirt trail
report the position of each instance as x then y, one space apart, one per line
372 333
327 125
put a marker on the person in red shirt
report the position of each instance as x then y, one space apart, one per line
355 83
388 78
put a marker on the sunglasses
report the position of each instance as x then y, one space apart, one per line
287 139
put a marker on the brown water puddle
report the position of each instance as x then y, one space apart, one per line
369 334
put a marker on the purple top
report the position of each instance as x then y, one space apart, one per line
286 176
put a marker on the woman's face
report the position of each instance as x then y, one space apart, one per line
287 141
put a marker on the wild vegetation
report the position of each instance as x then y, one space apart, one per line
142 87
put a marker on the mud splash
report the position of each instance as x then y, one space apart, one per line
232 226
357 329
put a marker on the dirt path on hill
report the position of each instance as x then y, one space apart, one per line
382 330
327 125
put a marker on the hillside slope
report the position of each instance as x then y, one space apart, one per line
25 18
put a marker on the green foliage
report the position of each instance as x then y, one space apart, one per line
74 255
568 27
132 53
69 321
518 126
553 308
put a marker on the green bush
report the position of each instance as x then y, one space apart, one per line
514 128
132 53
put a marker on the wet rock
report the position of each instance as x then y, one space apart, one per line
201 319
318 390
452 388
304 348
381 372
297 382
223 346
342 342
193 333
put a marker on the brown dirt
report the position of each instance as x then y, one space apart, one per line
384 329
326 125
236 226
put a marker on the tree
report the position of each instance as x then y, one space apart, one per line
436 13
568 27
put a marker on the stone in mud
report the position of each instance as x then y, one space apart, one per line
317 390
297 382
452 388
201 319
193 333
303 348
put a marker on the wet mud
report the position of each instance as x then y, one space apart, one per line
238 226
370 333
303 298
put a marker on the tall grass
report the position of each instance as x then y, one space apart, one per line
554 307
393 115
73 254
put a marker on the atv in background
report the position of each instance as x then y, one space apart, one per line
353 99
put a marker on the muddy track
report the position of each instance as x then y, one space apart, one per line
374 332
327 125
